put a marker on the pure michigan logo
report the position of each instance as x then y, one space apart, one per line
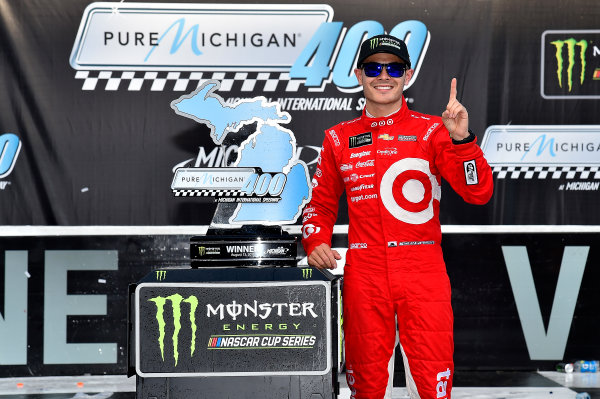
566 154
129 46
570 65
10 146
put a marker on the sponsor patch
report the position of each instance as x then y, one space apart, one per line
392 244
363 164
309 229
471 172
386 137
360 154
388 151
307 216
358 245
420 117
383 123
335 138
354 177
442 384
363 197
362 187
360 140
407 138
431 129
416 243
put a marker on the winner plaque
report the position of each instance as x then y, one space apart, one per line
246 246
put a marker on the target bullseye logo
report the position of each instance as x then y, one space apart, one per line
407 190
309 229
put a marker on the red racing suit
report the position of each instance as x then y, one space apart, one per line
391 170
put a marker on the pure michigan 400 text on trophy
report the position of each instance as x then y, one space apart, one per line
265 187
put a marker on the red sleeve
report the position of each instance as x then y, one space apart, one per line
319 216
464 167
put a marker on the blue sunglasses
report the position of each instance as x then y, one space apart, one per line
374 69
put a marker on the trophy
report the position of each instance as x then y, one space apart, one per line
266 187
237 324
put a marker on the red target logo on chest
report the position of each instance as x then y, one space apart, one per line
407 190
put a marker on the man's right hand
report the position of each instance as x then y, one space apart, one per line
323 257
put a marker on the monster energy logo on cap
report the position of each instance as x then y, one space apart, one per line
570 43
383 44
384 41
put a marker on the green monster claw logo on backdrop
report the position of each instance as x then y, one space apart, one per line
306 273
161 275
571 43
176 300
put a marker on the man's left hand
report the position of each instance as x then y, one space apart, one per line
456 117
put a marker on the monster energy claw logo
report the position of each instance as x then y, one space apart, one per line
570 43
307 273
161 275
176 301
374 43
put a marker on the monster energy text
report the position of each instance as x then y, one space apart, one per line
383 41
262 310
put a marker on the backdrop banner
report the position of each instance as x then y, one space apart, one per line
89 137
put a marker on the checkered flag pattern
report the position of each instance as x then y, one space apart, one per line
186 81
209 193
547 172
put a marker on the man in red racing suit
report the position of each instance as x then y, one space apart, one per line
390 162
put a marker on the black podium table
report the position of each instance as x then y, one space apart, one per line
255 332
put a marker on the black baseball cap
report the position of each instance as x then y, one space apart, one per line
383 44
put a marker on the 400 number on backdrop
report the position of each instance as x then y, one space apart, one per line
318 59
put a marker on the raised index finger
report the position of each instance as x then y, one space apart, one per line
452 90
